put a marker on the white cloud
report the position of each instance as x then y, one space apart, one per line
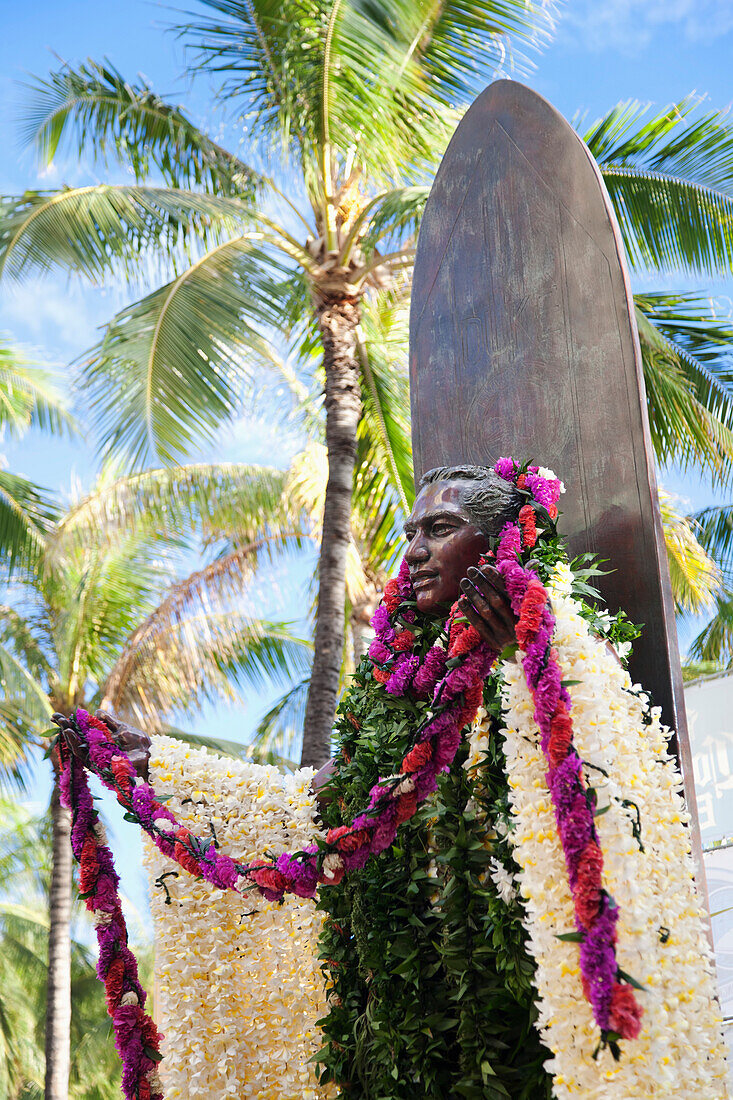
57 319
629 25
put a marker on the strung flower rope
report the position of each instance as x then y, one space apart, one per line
136 1037
449 679
609 992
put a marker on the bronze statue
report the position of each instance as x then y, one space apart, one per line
455 512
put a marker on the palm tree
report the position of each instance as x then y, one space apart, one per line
695 576
99 621
356 102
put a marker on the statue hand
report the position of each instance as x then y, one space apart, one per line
132 741
485 603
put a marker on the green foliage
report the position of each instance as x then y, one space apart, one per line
670 178
28 398
689 380
130 122
309 73
429 982
109 617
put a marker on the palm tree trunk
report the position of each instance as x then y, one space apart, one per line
338 319
58 995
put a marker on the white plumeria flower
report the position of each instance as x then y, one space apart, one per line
236 973
503 880
653 888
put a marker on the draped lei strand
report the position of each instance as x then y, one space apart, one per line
449 680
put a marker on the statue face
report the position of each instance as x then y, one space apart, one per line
442 543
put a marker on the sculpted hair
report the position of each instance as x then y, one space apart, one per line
489 500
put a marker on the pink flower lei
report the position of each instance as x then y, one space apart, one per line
452 680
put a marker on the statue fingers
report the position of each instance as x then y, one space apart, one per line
80 751
112 723
477 620
493 593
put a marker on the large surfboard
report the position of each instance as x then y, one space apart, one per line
523 342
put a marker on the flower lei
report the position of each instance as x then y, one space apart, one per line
136 1037
608 989
451 681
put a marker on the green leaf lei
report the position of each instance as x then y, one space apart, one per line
429 982
430 986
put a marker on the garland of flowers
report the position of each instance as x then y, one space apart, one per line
136 1037
609 990
641 822
453 676
238 984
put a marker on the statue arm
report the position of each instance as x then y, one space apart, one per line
138 746
320 782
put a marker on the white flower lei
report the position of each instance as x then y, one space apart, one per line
237 996
661 931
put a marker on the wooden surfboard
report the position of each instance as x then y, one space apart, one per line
523 342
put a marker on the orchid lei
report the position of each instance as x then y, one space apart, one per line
450 680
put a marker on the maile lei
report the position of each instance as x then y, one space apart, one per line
449 680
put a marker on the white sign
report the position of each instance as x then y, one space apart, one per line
709 705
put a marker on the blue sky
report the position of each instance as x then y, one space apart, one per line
649 50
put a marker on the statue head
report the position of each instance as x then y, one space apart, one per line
456 511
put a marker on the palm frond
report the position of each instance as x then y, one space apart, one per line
670 177
689 399
17 632
206 658
253 47
387 392
95 599
213 500
670 224
197 642
695 577
26 510
29 396
24 708
94 106
104 230
675 141
715 640
461 45
309 74
166 374
280 731
395 213
715 533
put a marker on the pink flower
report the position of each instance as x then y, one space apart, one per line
506 468
378 651
625 1014
510 543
